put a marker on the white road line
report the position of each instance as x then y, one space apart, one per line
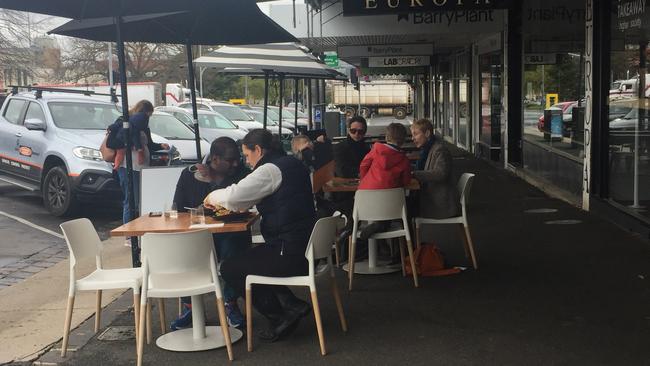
30 224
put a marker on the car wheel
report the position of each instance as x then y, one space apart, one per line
57 192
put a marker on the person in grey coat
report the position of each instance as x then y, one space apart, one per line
438 194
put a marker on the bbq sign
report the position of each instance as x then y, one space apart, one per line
374 7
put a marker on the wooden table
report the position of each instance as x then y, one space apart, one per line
338 184
146 224
199 337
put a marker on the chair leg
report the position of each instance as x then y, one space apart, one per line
337 255
136 315
221 310
161 315
141 332
353 244
339 305
409 246
148 322
249 320
417 235
471 246
461 229
66 325
319 323
98 310
401 255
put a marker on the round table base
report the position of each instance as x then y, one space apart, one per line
183 340
380 268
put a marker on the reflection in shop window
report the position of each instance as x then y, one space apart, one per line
559 125
629 113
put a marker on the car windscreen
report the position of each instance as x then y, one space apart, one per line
169 127
83 116
233 113
215 121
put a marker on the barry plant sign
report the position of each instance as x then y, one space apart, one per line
374 7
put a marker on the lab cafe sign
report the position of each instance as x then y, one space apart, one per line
399 61
374 7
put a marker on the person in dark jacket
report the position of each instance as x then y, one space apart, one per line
280 188
349 153
223 169
139 117
438 195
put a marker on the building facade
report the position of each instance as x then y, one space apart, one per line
554 90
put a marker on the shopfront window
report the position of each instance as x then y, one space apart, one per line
629 111
491 79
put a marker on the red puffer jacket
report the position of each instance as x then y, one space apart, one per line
384 167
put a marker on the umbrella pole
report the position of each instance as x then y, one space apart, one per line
195 113
295 106
135 253
281 94
309 104
266 97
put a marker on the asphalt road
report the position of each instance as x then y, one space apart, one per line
29 234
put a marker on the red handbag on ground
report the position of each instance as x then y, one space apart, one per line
429 262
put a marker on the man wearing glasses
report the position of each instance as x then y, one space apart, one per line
349 153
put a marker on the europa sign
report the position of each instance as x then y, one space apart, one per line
399 61
373 7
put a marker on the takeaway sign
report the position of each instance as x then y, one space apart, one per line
399 61
373 7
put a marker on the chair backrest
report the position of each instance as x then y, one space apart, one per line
378 204
178 252
464 187
321 239
82 239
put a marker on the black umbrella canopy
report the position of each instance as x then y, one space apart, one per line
81 9
222 22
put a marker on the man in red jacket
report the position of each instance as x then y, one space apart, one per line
386 166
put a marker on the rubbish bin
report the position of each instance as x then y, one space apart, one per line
553 124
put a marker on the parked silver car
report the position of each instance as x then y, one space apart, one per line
50 142
211 124
181 136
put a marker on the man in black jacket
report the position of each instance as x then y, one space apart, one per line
349 153
224 168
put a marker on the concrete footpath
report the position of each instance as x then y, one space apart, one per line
547 292
32 311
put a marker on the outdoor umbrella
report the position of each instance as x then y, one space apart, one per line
117 9
285 60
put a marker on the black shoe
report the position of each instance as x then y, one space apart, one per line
291 304
280 328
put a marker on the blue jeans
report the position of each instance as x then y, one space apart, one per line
121 173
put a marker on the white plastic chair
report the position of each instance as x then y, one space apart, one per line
181 264
319 247
464 187
381 205
84 243
340 227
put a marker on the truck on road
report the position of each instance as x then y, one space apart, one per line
374 98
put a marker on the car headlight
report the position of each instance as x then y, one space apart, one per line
87 153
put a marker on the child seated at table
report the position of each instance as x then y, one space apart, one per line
385 166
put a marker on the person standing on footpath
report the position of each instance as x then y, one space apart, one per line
140 134
280 188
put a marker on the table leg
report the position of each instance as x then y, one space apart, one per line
200 337
373 265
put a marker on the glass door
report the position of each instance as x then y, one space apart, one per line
491 69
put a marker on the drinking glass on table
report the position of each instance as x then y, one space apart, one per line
197 216
173 212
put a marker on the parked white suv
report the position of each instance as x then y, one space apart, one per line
50 142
